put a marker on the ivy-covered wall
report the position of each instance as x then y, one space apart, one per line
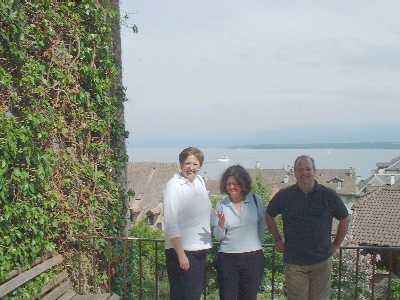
62 153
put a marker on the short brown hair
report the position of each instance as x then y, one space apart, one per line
241 176
185 153
303 157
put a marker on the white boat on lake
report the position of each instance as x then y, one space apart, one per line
223 158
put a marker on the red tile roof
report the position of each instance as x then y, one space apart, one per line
376 217
328 177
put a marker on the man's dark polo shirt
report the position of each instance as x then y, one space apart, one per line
307 222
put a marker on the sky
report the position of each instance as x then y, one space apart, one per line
223 73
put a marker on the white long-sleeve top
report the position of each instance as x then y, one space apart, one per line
187 211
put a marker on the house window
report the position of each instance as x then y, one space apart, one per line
134 216
150 219
339 185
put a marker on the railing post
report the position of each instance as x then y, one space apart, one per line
140 271
156 271
125 269
373 276
357 271
389 294
273 272
340 273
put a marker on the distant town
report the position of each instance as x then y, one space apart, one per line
147 180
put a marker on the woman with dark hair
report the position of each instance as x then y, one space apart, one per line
187 211
239 226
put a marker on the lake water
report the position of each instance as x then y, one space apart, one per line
362 160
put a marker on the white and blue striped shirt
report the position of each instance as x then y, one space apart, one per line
244 229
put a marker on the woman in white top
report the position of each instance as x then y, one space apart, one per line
240 228
187 211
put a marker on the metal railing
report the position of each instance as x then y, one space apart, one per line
374 272
135 269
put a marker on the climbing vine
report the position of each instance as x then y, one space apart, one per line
61 135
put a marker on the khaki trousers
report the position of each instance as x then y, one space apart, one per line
310 282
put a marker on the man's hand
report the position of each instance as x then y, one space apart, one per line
335 249
273 228
183 262
280 245
340 234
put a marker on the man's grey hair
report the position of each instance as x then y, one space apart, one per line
303 157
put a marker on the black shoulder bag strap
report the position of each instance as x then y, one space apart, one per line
255 201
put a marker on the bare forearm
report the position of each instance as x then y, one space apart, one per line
273 228
177 244
341 231
183 260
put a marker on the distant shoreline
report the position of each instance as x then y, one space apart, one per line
361 145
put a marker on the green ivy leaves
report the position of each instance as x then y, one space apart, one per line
61 140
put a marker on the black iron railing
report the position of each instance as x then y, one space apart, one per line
135 269
367 272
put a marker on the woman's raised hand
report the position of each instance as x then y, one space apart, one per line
221 219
